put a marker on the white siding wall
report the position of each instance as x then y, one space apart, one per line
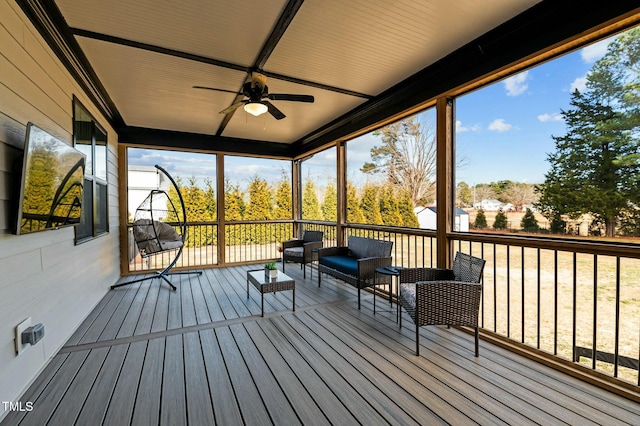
43 275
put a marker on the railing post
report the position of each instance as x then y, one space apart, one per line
296 198
221 240
445 199
341 161
122 208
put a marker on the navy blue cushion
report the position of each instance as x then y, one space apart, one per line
344 264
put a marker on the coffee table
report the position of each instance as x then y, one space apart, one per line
281 282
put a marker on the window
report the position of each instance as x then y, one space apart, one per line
91 140
319 193
391 173
552 150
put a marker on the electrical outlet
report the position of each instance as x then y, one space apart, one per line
20 347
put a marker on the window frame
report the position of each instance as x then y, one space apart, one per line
99 187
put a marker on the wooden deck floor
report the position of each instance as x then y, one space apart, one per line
202 355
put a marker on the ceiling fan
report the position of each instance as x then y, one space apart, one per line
258 96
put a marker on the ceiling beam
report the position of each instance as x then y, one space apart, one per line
155 138
278 31
157 49
270 43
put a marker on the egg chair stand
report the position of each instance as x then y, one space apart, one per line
154 237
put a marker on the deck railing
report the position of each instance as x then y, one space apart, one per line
567 298
570 299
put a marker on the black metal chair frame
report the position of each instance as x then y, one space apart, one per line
177 251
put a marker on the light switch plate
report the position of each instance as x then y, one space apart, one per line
20 347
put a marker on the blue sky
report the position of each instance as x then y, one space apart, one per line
503 132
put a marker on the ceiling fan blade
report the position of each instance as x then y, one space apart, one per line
277 114
286 97
217 90
233 107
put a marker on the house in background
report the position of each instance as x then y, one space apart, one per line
427 218
492 205
142 180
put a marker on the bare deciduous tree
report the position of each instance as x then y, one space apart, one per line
520 194
483 192
407 157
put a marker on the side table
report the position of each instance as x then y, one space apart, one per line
389 271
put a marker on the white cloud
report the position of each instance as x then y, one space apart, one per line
592 53
517 84
549 117
579 83
461 129
500 125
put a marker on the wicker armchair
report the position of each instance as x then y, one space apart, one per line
448 297
301 251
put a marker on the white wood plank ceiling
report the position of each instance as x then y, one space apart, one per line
149 54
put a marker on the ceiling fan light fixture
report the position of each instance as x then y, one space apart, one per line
255 108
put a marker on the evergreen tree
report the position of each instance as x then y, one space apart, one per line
211 205
234 205
197 207
405 208
557 225
234 208
370 206
500 221
389 211
354 212
283 198
481 220
283 209
595 168
260 208
529 223
210 199
310 204
330 203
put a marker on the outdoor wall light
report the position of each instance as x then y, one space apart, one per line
255 108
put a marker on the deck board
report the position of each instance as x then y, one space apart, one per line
145 320
120 408
199 407
247 395
281 365
223 396
147 399
274 398
337 384
173 404
204 355
94 409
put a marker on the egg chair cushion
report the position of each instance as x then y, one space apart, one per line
154 236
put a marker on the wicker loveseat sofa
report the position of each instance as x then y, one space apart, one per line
356 263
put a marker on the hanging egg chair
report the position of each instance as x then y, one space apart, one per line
160 229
